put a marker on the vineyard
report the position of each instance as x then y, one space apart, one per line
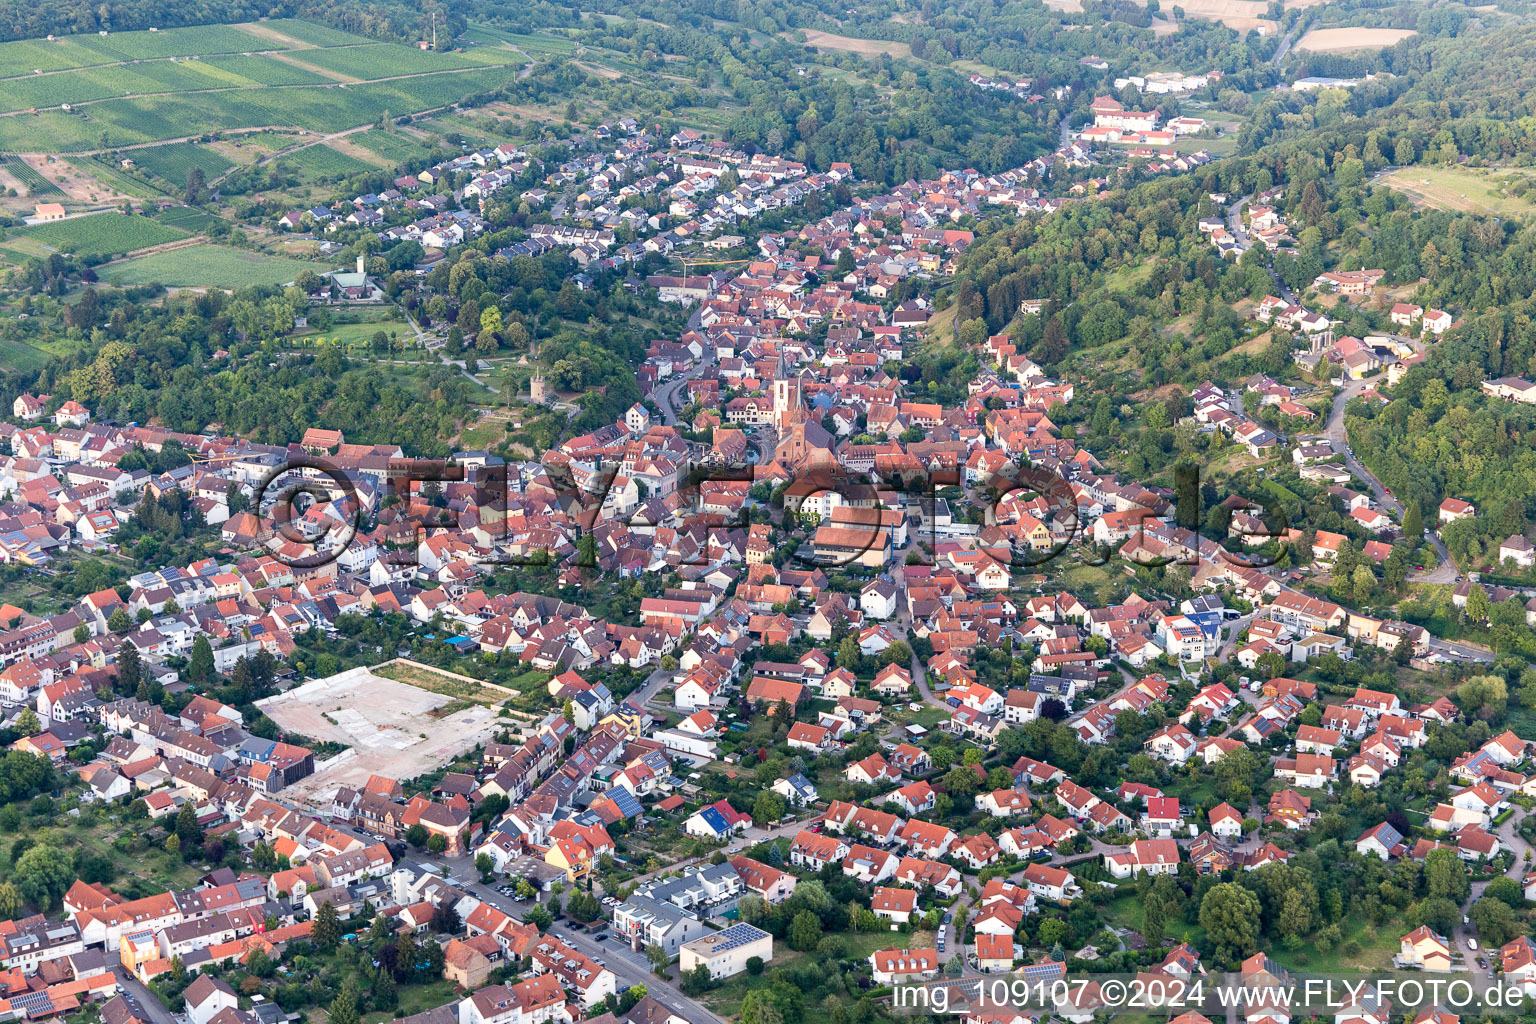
206 266
36 184
365 62
121 122
99 234
316 163
389 145
130 88
173 162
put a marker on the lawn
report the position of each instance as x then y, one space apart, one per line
1126 911
415 999
424 677
1462 189
361 332
1376 947
206 266
482 435
102 234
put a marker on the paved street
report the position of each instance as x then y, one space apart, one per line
158 1014
667 993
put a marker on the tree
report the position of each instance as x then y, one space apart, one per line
196 189
1483 696
343 1008
129 668
407 955
1445 876
82 633
1478 605
1495 922
1153 921
768 807
10 901
1053 930
658 958
484 864
445 918
1230 916
43 875
758 1007
27 723
200 667
583 906
437 843
698 980
416 835
1507 890
187 829
119 622
327 930
1413 523
804 931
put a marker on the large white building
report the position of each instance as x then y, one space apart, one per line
725 953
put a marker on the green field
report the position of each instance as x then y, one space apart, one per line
136 87
27 56
84 85
175 161
530 45
322 162
101 234
311 32
389 145
187 218
1462 189
360 333
211 266
18 355
119 122
378 59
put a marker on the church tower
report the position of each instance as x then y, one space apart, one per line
788 405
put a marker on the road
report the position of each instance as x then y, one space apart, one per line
151 1003
1238 231
1513 840
1445 571
1297 30
665 395
920 678
466 878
